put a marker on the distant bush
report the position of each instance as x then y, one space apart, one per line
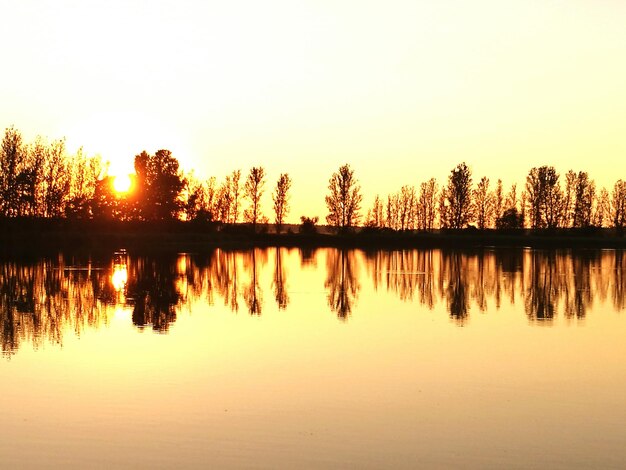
511 219
308 224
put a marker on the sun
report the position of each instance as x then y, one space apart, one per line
122 183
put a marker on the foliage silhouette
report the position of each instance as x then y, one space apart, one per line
344 200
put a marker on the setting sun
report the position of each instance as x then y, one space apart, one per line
122 183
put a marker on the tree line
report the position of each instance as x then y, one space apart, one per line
41 180
547 201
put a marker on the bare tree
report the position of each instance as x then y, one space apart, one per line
12 157
344 200
569 196
195 197
375 217
544 197
234 188
407 200
498 201
553 199
392 212
281 200
602 209
56 179
443 209
584 194
458 197
253 190
618 204
427 205
483 203
223 201
510 201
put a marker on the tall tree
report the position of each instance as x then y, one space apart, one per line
458 197
281 200
235 195
498 201
483 203
253 190
159 185
569 196
618 205
584 195
602 209
56 179
407 200
12 156
344 200
375 217
427 205
544 197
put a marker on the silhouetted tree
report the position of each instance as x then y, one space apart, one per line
84 175
458 198
618 204
584 194
498 201
159 185
12 157
510 202
195 197
254 190
511 219
602 209
569 196
407 201
56 179
483 203
344 200
427 205
544 197
108 204
375 217
223 201
235 195
280 197
308 224
393 204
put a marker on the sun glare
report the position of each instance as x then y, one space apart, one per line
122 183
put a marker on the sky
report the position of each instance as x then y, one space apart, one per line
401 90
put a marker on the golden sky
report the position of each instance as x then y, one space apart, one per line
401 90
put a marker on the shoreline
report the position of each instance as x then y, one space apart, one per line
39 237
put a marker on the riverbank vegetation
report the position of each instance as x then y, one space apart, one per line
49 196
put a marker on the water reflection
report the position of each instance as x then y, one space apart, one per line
341 281
280 281
45 299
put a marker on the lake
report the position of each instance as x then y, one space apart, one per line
276 358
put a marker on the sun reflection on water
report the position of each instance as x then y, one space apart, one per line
119 278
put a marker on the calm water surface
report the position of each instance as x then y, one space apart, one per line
309 359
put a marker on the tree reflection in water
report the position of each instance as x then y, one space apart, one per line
454 277
42 300
341 281
252 294
152 291
280 280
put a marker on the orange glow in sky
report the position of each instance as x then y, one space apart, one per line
402 90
